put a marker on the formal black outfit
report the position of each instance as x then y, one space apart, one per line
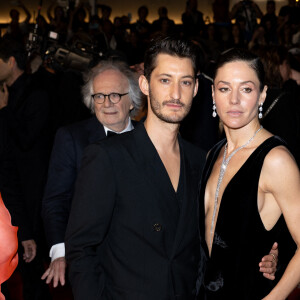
26 125
23 171
240 238
130 235
64 166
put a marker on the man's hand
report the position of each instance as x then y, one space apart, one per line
268 263
3 96
56 271
29 250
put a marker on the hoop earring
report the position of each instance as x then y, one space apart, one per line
214 114
260 109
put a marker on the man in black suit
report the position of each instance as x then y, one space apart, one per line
132 231
111 91
24 125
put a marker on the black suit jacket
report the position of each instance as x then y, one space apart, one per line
24 123
63 168
65 161
127 238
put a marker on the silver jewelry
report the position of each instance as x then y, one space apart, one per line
260 109
223 168
214 114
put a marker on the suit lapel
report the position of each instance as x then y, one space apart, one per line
96 130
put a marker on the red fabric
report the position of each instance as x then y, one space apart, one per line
8 245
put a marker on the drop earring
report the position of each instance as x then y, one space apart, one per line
214 114
260 109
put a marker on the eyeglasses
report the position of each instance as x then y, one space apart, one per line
113 97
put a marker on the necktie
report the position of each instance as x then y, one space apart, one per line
110 133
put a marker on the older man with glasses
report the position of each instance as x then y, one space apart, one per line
112 93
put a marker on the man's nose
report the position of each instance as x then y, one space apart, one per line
107 102
176 91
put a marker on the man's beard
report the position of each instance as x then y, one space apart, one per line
175 118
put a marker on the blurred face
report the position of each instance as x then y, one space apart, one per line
113 116
14 14
171 88
285 70
143 13
237 94
58 11
270 8
295 75
5 70
235 31
193 4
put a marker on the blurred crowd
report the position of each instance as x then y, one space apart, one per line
72 39
245 25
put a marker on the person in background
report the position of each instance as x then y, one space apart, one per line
24 114
281 114
162 21
248 10
15 29
58 21
142 27
111 92
192 19
270 16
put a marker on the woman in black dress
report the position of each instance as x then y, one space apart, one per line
250 189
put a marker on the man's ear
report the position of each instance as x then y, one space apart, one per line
144 85
11 61
196 87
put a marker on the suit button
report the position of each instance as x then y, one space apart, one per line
157 227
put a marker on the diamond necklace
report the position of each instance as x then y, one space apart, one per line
223 168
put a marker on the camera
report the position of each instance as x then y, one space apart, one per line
78 56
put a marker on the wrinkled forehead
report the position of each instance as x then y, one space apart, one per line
111 80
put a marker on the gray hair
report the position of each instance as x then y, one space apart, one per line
135 94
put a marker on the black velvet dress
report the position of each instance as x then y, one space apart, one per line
240 239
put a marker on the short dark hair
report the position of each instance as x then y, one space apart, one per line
169 45
9 48
271 2
163 10
239 54
143 7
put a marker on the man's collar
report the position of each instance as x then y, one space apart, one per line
129 127
18 83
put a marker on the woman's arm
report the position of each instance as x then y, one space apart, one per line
281 178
